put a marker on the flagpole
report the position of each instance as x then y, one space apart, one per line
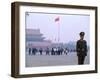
58 31
58 25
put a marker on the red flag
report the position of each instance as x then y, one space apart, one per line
57 19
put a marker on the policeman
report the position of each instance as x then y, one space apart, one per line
81 48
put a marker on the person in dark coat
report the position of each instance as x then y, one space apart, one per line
52 51
29 51
40 51
58 51
33 51
81 48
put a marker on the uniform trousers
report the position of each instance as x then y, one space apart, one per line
81 59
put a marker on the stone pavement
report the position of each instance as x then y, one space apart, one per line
53 60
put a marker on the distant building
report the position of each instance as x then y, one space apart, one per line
35 39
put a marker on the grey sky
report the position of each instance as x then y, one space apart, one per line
69 25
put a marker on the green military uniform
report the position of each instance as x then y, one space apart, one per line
81 48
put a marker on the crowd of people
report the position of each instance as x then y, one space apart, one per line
48 51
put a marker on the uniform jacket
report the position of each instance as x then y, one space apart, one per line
81 48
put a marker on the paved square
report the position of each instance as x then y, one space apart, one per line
53 60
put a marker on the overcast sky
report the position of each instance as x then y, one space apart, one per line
69 26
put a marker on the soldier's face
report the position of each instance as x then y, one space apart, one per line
82 37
